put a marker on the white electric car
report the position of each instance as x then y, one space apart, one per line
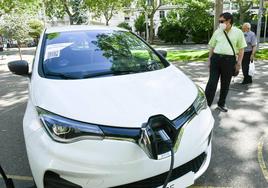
107 110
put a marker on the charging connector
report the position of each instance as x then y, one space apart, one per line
169 144
157 140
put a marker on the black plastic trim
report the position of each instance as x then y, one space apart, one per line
117 132
53 180
155 181
184 117
41 56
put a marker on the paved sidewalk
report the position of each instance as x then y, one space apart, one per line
238 158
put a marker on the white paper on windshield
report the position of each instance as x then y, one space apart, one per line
53 50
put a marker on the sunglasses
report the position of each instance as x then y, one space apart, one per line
222 21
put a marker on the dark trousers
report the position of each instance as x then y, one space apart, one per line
245 67
221 66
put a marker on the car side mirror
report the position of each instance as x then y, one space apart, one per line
19 67
163 53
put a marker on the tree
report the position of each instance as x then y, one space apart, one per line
218 7
75 9
139 24
172 29
36 27
199 29
244 7
150 7
7 5
106 8
14 26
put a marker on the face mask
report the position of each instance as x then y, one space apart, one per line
222 26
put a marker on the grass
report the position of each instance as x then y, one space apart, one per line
202 55
187 55
262 54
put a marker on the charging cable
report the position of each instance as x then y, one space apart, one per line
168 142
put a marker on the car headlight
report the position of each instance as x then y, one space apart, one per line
200 102
62 129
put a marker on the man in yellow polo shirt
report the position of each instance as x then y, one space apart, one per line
222 60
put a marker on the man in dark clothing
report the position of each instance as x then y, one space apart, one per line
222 60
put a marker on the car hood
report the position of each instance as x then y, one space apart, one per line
121 101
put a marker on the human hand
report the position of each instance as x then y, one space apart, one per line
252 57
237 67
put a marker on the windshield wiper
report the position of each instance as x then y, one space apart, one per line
91 75
62 75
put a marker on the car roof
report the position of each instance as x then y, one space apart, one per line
82 28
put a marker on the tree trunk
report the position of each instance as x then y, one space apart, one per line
19 51
107 22
218 10
71 20
241 17
151 35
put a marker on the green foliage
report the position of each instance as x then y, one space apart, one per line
14 26
139 24
75 9
54 8
106 8
6 6
197 19
79 12
243 10
36 28
262 54
247 17
187 55
52 36
124 25
21 6
202 55
172 30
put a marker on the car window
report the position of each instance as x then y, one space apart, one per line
85 54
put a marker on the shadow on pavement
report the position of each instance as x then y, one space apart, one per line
13 100
234 160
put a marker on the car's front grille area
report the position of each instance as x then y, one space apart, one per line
193 165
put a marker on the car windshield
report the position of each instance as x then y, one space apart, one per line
95 53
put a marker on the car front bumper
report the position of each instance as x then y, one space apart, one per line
111 163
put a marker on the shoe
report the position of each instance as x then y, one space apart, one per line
222 108
245 82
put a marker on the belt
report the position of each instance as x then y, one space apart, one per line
223 55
